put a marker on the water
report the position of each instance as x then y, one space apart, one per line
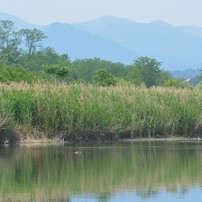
129 171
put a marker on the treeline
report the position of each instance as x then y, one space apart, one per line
22 51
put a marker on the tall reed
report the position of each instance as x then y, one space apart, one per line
86 112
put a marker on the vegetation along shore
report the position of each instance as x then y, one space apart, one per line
44 95
79 112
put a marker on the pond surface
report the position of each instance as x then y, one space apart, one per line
127 171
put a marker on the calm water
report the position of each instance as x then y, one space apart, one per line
138 171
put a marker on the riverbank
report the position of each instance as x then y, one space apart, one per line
82 113
176 139
44 142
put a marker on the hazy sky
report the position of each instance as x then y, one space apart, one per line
176 12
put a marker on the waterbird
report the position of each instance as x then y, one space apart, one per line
77 152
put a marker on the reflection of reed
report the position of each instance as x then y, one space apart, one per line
142 167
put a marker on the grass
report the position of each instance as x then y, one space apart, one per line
80 112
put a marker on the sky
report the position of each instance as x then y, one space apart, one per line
43 12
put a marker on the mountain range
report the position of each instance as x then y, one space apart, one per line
122 40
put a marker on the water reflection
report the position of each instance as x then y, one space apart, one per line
142 170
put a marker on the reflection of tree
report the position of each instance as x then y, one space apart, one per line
184 191
63 200
147 193
104 197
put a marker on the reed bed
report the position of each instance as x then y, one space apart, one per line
80 112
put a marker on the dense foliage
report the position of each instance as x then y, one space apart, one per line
17 74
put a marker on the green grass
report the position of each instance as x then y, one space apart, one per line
80 112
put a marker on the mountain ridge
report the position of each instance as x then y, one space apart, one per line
123 40
81 44
174 46
19 23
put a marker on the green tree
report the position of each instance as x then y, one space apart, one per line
150 70
10 40
85 69
199 85
104 78
58 71
32 38
134 75
17 74
46 56
197 79
147 70
58 66
177 83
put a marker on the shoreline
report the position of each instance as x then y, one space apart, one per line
162 139
46 142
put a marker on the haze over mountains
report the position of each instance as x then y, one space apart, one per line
65 38
122 40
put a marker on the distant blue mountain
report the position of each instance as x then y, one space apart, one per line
176 47
122 40
186 74
195 31
19 23
64 38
